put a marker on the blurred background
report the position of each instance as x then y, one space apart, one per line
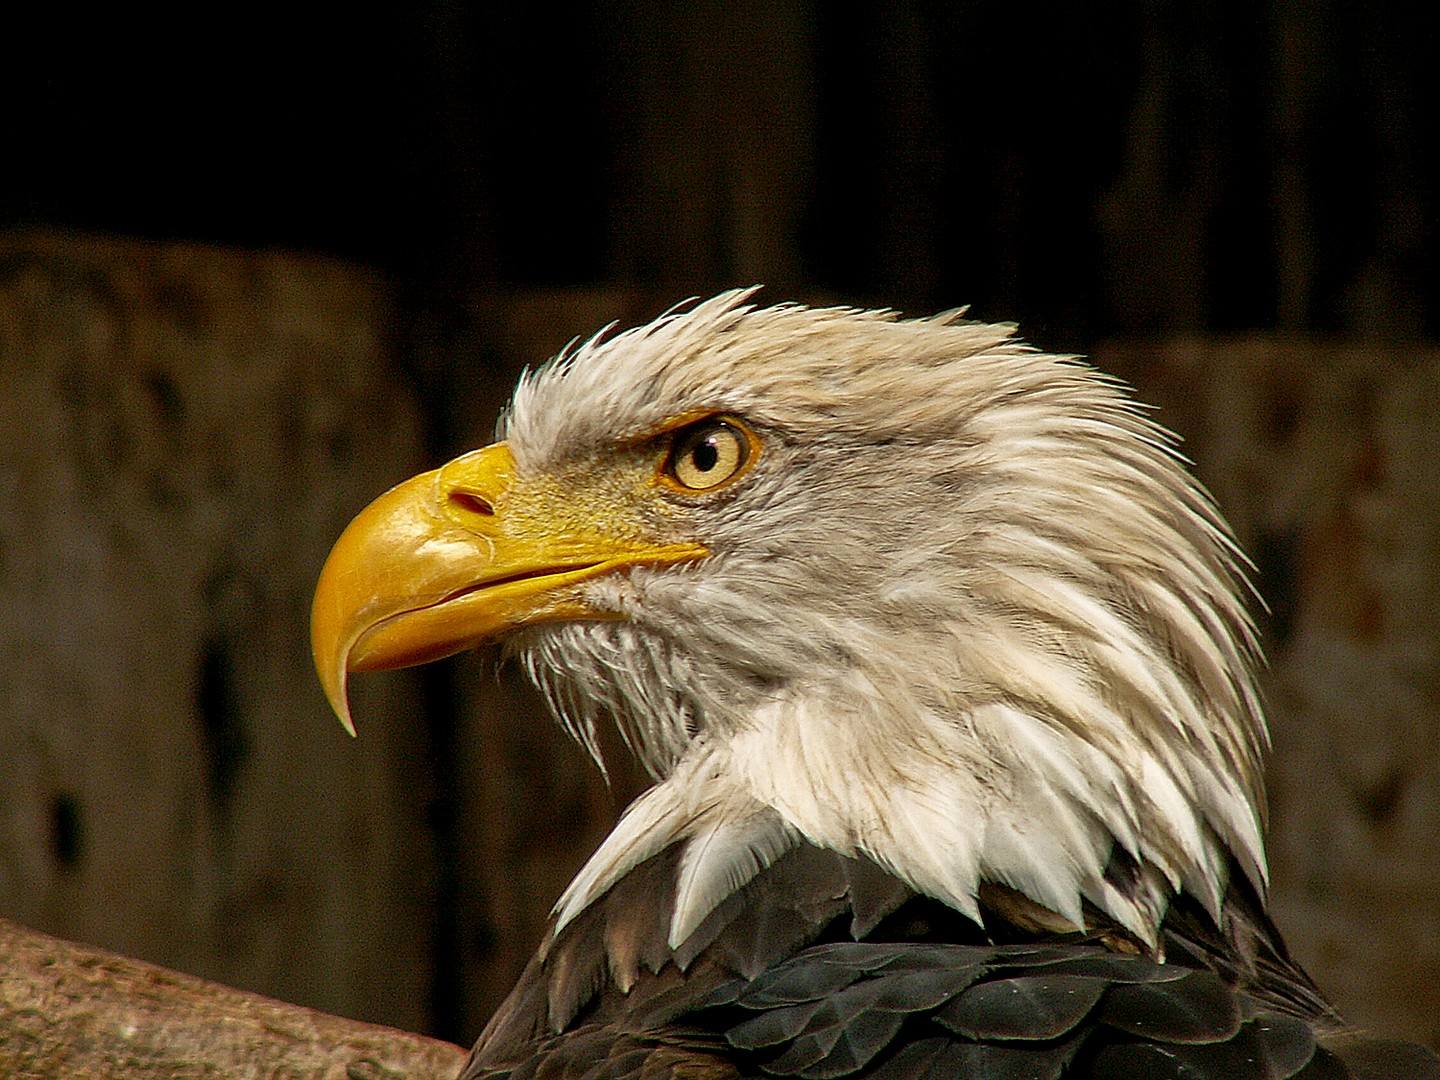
259 263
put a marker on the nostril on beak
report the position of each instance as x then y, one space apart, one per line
475 504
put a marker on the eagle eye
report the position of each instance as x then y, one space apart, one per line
707 454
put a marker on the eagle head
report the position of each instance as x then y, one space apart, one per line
904 589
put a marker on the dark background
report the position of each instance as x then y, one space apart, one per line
1085 169
1101 173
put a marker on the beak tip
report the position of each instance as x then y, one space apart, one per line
339 697
331 639
334 674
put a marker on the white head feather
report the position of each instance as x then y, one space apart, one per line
966 615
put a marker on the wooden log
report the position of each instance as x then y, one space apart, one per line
72 1012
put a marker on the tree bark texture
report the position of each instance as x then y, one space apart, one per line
67 1011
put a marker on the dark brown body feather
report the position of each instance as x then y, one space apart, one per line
826 966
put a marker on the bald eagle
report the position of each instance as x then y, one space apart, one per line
941 664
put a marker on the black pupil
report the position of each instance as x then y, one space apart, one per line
705 456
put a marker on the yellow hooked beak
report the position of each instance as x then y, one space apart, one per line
454 557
